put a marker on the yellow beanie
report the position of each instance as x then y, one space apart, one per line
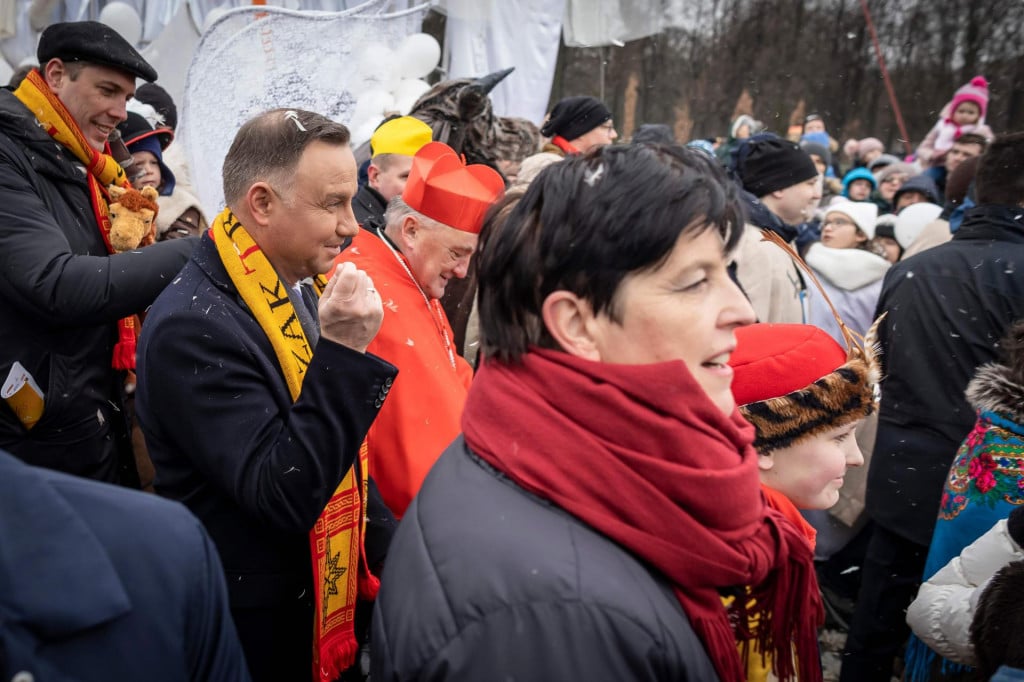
404 135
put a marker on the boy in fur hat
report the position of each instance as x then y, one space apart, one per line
805 396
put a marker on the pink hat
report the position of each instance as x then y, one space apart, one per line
976 91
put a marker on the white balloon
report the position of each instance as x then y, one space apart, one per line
407 92
417 56
364 132
124 19
376 63
373 105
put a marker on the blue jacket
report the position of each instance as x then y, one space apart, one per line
102 583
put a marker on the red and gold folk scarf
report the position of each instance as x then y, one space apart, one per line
340 573
102 171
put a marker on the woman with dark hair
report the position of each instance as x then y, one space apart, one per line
604 494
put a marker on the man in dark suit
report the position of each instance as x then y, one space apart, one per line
255 397
102 583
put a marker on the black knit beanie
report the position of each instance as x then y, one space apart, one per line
575 116
773 164
158 98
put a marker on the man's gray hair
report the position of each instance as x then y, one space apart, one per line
397 210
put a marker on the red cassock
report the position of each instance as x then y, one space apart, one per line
422 413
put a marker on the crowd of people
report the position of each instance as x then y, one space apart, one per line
487 399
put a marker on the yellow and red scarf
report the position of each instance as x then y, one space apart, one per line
103 171
340 573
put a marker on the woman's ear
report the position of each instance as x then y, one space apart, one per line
571 323
765 462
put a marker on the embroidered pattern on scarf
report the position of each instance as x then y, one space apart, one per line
340 573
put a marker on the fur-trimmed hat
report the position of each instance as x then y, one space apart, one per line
91 41
793 381
976 91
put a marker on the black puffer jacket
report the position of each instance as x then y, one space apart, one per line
487 582
61 296
947 307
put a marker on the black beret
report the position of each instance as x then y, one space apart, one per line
91 41
575 116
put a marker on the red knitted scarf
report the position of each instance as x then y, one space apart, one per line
639 453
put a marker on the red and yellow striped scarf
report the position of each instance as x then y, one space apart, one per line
103 171
340 574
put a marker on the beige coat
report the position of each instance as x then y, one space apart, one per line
770 279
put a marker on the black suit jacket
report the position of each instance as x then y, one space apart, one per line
256 468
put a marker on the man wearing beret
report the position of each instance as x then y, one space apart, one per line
67 303
430 234
781 187
578 124
394 143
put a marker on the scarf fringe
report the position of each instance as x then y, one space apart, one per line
720 643
920 659
338 658
124 349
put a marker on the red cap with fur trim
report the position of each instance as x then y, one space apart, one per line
442 187
976 91
772 360
793 381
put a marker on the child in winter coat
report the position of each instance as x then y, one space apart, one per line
180 214
849 273
858 184
965 113
956 605
985 482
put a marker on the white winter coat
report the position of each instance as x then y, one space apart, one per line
941 614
